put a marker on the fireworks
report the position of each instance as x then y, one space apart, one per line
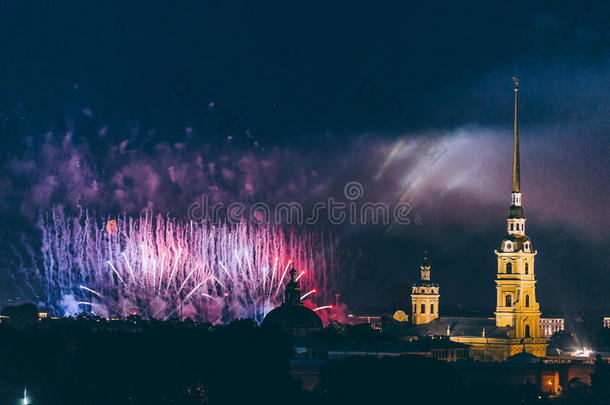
160 268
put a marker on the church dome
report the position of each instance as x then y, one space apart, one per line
516 243
292 314
293 317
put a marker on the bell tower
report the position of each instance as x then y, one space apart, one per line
516 304
424 296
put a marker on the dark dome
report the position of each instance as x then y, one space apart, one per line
516 244
293 317
292 314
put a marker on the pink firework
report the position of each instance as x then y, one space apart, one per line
161 268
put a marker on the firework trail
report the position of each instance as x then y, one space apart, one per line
159 267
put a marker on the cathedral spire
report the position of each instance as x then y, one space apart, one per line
516 168
516 210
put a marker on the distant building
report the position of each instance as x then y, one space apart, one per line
551 378
551 325
607 322
424 296
312 352
373 320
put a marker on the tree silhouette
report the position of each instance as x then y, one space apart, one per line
21 315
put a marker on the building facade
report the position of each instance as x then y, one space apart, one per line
551 325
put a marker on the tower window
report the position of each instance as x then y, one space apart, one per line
527 267
414 308
431 308
527 331
423 308
512 227
527 300
508 301
509 268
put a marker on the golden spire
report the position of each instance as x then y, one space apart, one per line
516 168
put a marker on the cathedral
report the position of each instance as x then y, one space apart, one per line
516 326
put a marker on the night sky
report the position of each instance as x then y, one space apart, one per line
131 106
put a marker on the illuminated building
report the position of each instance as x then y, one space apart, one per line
551 325
517 310
516 325
607 322
424 296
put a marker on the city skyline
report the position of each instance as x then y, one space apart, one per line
106 121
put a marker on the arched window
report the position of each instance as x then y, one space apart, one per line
508 301
527 268
512 227
527 300
527 331
431 308
509 268
423 308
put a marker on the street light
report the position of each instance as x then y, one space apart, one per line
25 400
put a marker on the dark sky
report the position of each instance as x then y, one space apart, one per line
123 107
